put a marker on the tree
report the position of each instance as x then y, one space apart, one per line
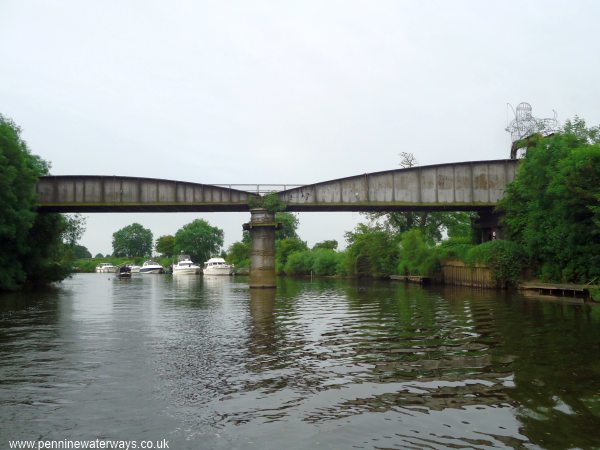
416 256
286 247
372 251
80 252
165 245
239 254
551 208
288 223
75 227
99 256
331 244
132 240
31 248
407 159
433 225
199 239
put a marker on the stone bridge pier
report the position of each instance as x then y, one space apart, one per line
262 227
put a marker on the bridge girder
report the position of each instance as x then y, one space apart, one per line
91 193
466 186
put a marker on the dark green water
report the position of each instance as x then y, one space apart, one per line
208 363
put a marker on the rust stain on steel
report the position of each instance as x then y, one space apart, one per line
481 181
444 182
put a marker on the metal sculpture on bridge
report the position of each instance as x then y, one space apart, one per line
525 125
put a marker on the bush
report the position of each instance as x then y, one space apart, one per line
325 262
284 248
372 252
504 258
454 248
416 256
299 263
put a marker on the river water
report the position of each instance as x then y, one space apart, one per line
209 363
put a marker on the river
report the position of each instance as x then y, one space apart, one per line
209 363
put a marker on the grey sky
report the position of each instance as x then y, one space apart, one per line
283 92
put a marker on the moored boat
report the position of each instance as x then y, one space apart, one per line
134 268
124 271
151 267
106 268
217 266
185 266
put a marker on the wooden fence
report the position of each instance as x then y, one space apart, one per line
458 273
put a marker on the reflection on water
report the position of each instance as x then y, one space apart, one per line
206 362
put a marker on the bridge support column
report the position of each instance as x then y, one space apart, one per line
262 228
487 225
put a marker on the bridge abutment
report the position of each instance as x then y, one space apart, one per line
262 227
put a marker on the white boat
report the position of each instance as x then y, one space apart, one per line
217 266
151 267
185 266
134 268
106 268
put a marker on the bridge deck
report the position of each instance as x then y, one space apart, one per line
467 186
463 186
75 193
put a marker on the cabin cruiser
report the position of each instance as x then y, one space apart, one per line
185 266
106 268
124 271
134 268
217 266
151 267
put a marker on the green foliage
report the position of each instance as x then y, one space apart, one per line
165 245
325 262
132 240
239 254
454 248
372 252
199 239
99 256
288 223
416 256
284 248
31 248
270 202
577 127
299 263
330 244
431 224
319 262
81 252
552 207
48 258
74 228
504 258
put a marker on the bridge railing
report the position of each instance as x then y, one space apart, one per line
260 189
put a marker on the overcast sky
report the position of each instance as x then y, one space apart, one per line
284 91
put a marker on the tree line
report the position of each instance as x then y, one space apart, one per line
551 217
